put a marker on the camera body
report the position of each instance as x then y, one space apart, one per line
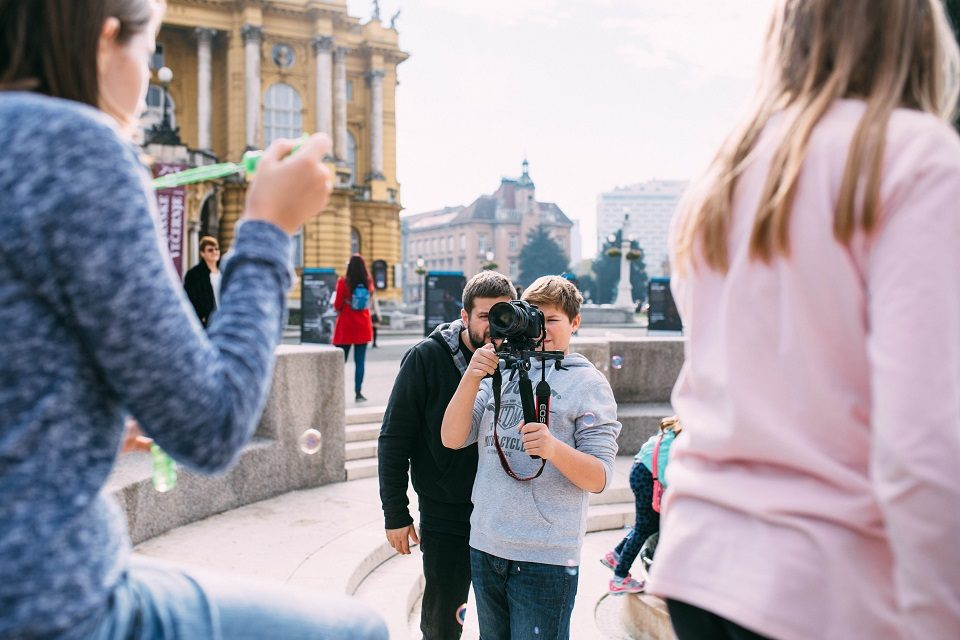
519 324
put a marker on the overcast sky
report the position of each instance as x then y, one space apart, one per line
596 93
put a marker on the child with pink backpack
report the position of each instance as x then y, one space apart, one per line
647 482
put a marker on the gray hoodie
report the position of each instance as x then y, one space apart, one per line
541 520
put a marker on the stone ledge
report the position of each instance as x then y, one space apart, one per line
306 393
646 368
640 420
646 616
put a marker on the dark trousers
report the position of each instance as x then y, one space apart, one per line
647 521
446 572
522 600
359 360
693 623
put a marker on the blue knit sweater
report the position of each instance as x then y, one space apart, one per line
95 325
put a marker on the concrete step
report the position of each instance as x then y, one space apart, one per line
361 415
604 517
359 469
361 450
613 495
394 588
362 431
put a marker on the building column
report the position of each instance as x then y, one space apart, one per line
340 102
252 37
322 54
204 87
375 77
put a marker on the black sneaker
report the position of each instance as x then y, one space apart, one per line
360 397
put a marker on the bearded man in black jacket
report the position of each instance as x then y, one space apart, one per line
443 478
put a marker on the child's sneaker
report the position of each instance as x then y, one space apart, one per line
619 586
610 560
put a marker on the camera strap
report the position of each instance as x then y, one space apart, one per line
529 415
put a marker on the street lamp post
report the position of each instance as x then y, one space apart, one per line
164 133
490 264
624 289
420 271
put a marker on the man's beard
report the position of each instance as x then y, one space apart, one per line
476 341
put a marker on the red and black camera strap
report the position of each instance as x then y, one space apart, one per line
534 410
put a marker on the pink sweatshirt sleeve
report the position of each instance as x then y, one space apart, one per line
913 284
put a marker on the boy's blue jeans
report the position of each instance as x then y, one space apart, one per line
155 600
522 600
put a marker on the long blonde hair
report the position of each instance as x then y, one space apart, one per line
888 53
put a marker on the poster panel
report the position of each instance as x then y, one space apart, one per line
379 272
317 315
443 298
662 314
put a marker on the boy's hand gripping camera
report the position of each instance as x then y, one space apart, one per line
521 328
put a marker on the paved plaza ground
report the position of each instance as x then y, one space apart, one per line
330 539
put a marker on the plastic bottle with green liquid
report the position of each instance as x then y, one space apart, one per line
164 469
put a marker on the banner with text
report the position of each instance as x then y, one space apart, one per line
171 205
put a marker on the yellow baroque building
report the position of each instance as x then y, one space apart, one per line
248 71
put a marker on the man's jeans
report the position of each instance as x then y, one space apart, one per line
446 572
155 600
522 600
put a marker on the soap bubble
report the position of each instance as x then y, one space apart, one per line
462 614
588 419
616 362
310 441
572 569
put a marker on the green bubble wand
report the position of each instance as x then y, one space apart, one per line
247 166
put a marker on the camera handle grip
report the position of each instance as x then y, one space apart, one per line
526 400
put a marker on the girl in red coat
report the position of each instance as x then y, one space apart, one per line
353 326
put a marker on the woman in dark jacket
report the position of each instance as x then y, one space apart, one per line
353 327
202 282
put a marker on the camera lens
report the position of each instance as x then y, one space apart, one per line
506 320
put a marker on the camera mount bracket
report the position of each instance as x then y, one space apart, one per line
536 408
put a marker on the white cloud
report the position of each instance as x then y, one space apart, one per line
712 39
648 59
503 12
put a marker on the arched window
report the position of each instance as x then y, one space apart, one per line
282 113
352 156
354 241
154 112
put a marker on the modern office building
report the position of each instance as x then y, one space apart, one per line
646 209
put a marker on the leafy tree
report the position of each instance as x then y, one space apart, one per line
606 273
541 256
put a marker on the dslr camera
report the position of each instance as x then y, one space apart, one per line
519 324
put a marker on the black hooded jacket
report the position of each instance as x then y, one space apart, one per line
410 439
197 285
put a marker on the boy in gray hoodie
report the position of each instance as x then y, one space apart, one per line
526 534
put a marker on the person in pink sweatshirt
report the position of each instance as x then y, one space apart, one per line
815 490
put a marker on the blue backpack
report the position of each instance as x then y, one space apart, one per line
360 298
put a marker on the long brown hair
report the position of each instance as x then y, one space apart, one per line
357 273
888 53
50 46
